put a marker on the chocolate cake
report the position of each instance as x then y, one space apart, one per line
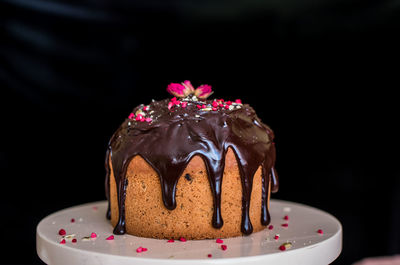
190 167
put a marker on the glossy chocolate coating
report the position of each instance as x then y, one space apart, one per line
176 134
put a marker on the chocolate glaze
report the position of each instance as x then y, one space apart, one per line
176 135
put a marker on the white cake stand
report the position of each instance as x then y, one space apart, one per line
308 246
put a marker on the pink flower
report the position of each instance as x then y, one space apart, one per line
180 90
186 88
203 91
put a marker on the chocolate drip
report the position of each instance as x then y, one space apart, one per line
176 135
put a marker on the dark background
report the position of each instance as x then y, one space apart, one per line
323 74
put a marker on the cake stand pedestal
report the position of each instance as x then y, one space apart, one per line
307 245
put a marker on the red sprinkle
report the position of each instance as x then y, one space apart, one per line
139 117
62 232
173 99
199 106
93 235
214 108
276 237
209 255
184 104
110 237
226 106
238 101
131 116
72 220
320 231
219 241
215 104
285 225
286 217
221 105
145 108
229 103
182 239
170 104
204 106
171 241
270 227
141 249
224 247
62 241
282 248
74 240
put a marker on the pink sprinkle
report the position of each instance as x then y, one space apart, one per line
93 235
171 241
276 237
199 106
219 241
229 103
72 220
215 104
320 231
74 240
110 237
204 106
145 108
139 117
226 106
270 227
221 100
238 101
285 225
62 232
62 241
177 102
95 207
141 249
184 104
209 255
224 247
214 108
170 104
182 239
142 119
148 119
286 217
173 99
282 248
221 105
131 116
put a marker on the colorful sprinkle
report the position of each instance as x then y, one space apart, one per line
184 104
93 235
170 104
148 119
110 237
270 227
276 237
219 241
131 116
182 239
62 241
285 225
199 106
74 240
214 108
238 101
320 231
62 232
282 248
171 241
141 249
224 247
286 217
145 108
209 255
72 220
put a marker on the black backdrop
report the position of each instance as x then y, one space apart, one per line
322 74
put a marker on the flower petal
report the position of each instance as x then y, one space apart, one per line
176 89
189 89
203 91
